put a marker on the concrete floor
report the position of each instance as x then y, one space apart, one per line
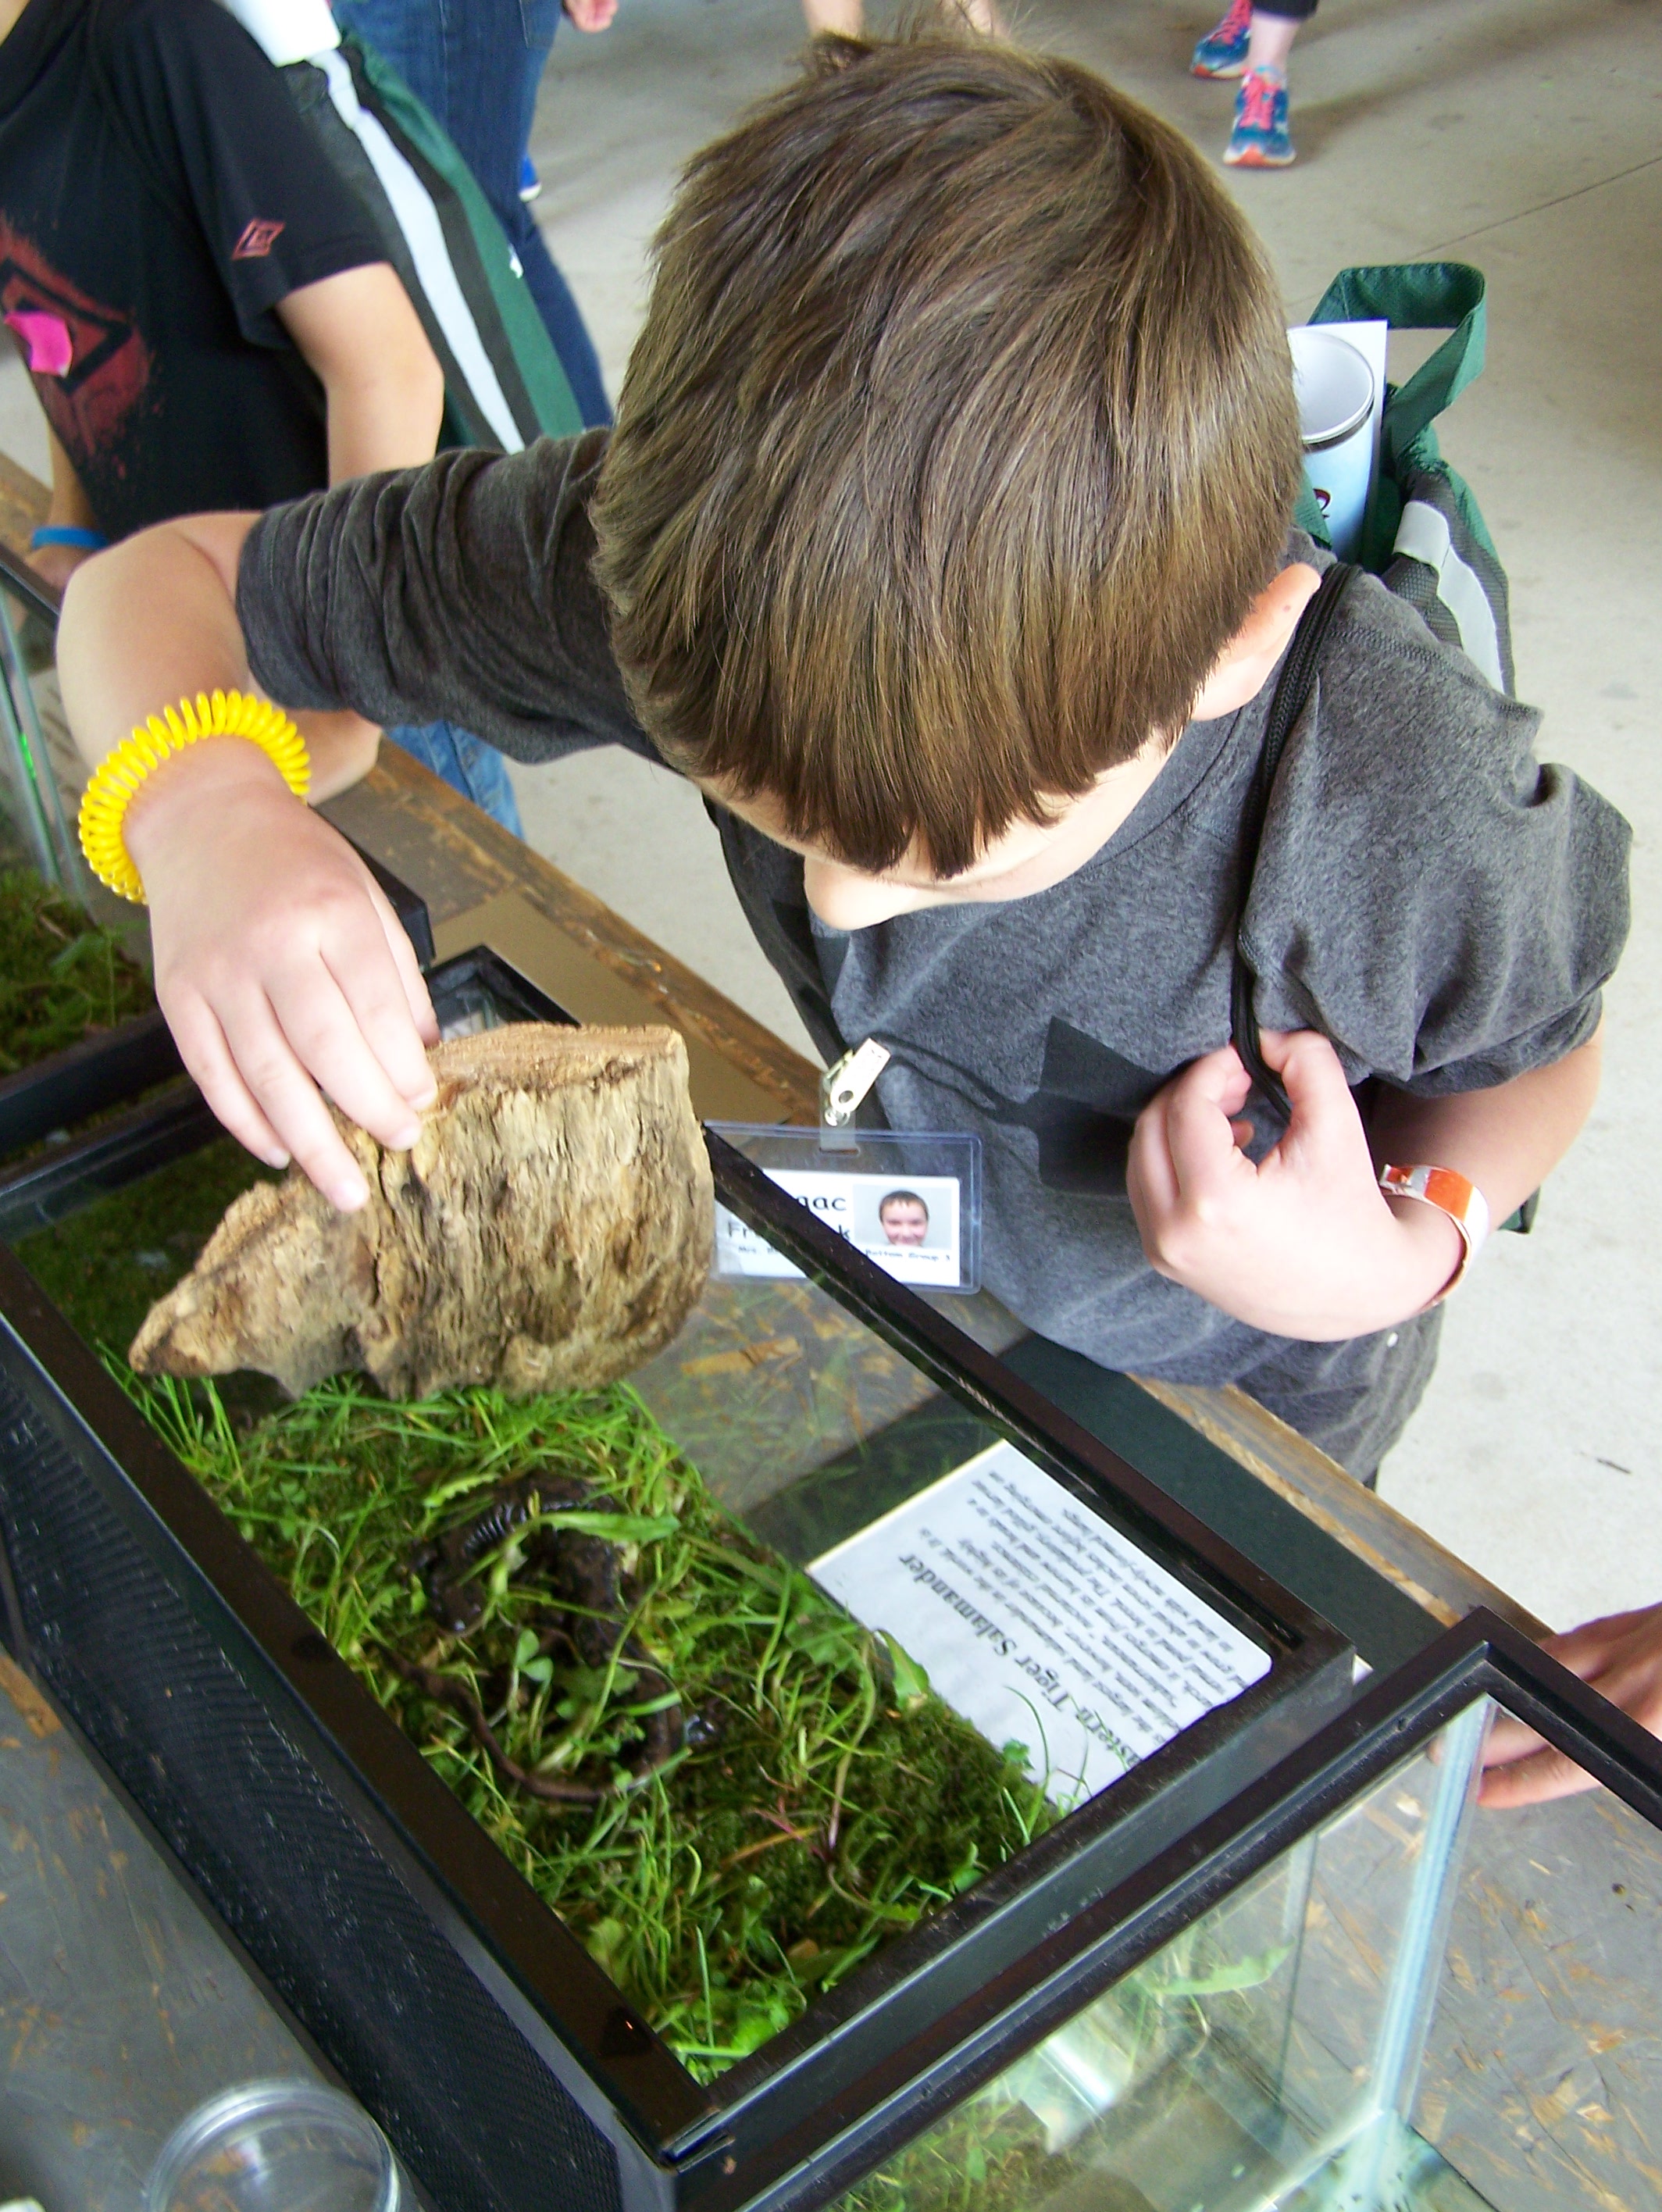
1521 135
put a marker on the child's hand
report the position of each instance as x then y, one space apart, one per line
279 965
1621 1657
1304 1244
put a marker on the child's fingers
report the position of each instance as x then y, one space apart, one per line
1621 1656
1586 1650
1601 1652
377 1000
1151 1178
1510 1739
1220 1076
1199 1105
1548 1774
285 1092
324 1034
208 1061
1313 1075
416 997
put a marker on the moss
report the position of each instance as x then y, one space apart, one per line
62 978
105 1265
823 1800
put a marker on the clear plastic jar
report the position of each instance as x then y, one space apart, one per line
276 2146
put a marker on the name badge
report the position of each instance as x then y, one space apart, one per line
910 1202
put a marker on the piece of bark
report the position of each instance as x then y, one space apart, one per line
550 1228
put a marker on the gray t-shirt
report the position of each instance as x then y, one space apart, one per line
1442 907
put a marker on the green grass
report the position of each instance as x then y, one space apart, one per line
61 978
831 1800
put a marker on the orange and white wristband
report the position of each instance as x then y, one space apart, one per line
1451 1193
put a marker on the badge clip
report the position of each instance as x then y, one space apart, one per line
844 1088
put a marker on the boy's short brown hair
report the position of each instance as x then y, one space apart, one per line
959 439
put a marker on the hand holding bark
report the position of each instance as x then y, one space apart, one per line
549 1229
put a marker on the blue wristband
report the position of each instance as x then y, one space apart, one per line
67 533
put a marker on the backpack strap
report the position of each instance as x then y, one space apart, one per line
1292 694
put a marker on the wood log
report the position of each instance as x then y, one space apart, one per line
550 1228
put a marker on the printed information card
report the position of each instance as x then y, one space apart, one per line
1040 1622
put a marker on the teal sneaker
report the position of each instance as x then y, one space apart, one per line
1222 52
1260 139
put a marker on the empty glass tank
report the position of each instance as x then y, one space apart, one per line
1403 2003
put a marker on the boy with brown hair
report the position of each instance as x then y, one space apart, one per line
944 539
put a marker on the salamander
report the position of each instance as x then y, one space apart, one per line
582 1572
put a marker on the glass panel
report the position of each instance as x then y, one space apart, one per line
1542 2081
1258 2060
41 780
769 1381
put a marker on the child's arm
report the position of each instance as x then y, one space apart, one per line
386 390
275 953
462 588
382 382
70 507
1305 1244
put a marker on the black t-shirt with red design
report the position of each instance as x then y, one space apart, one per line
159 193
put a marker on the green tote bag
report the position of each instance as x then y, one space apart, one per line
1425 535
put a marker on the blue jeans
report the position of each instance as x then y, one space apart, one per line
476 65
467 764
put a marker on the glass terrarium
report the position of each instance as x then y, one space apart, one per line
1362 1991
659 1788
39 773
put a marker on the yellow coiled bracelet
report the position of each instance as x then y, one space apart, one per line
119 775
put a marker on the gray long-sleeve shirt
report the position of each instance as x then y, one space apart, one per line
1444 907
